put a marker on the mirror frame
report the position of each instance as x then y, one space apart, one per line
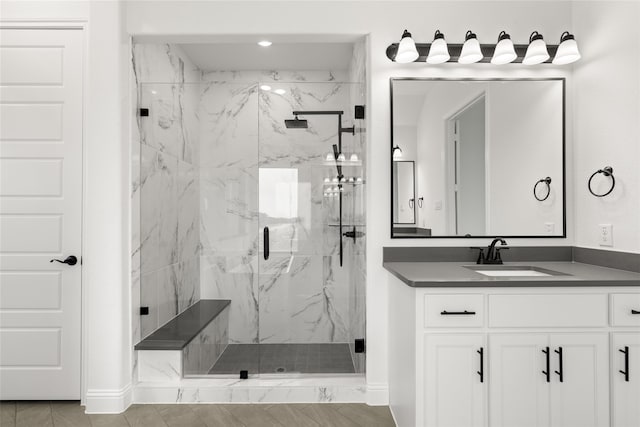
564 155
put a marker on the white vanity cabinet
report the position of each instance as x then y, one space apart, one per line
456 390
557 379
514 357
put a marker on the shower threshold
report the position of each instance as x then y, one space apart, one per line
332 358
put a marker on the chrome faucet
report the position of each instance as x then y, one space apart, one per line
493 252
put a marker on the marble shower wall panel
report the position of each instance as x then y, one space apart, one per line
167 237
228 130
282 147
234 278
272 76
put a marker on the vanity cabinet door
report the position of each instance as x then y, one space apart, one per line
580 380
519 392
625 357
455 383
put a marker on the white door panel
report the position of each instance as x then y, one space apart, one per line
40 212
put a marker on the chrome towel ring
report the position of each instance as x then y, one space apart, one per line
547 181
606 171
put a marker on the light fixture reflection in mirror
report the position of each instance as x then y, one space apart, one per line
397 153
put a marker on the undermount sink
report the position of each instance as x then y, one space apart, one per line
513 271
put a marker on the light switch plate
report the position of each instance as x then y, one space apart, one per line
606 235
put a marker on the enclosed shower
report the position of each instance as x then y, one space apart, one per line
251 191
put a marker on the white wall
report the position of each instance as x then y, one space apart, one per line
607 121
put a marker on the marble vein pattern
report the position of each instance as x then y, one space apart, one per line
312 390
203 351
166 237
159 365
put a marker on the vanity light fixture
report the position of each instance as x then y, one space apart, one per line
567 50
265 87
407 51
537 50
471 51
439 52
397 153
504 52
265 43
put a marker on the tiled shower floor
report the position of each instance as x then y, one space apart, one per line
285 358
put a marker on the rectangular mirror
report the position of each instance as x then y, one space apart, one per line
477 158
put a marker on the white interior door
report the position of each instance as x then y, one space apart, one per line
40 212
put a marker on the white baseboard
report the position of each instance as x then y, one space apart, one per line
108 401
378 394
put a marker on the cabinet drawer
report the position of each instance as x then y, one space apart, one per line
548 310
466 310
621 309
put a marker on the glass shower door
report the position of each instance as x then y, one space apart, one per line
303 291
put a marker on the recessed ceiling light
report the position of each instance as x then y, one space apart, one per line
280 91
265 43
265 87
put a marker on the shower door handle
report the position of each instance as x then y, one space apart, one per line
265 239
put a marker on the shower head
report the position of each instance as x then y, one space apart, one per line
296 123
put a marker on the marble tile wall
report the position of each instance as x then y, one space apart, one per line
300 294
166 217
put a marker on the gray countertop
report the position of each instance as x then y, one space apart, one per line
455 274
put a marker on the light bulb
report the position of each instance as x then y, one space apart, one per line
407 51
342 157
265 43
471 52
327 180
354 157
504 52
330 157
334 180
439 52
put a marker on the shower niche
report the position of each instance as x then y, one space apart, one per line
251 190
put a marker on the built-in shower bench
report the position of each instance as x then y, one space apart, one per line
189 344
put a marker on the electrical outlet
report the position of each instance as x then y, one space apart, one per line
606 235
549 228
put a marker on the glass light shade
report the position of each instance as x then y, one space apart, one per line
330 157
407 51
471 52
342 157
504 53
327 180
567 52
439 52
536 51
354 157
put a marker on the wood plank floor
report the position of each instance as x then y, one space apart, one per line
71 414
